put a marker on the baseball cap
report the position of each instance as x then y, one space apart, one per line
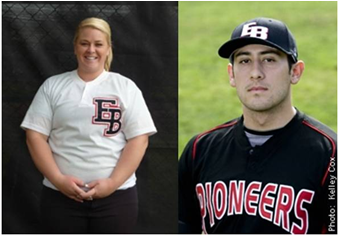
264 31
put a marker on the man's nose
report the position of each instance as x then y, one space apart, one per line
257 70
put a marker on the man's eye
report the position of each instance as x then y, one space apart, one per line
244 61
269 60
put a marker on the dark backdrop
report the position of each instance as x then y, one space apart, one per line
37 43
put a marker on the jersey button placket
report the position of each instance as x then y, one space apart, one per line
251 159
251 151
84 97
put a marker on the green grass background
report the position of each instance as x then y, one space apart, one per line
205 96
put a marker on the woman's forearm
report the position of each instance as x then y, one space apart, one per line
42 155
129 160
43 158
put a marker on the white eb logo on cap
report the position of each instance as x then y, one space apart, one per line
254 31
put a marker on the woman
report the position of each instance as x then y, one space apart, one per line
87 131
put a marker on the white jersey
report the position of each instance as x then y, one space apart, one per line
89 123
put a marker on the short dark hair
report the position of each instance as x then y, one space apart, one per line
290 62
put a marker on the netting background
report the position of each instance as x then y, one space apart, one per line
37 43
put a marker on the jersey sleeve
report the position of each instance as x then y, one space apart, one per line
137 118
39 115
189 210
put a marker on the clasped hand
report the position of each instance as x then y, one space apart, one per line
79 191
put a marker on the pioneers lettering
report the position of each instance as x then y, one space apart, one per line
272 202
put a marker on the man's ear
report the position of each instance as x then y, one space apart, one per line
231 74
296 71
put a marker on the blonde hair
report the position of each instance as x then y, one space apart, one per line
101 25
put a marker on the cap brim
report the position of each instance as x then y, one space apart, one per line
229 47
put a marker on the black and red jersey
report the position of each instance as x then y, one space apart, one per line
286 185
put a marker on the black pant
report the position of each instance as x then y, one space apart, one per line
116 213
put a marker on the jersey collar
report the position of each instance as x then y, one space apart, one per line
97 80
284 132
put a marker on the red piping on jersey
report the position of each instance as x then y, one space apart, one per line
332 142
207 132
324 230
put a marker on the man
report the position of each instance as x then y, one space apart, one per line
271 170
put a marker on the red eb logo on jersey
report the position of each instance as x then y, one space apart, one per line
107 112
